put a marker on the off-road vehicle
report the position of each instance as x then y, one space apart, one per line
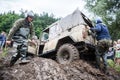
68 39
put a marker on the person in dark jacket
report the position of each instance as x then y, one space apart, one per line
101 29
104 42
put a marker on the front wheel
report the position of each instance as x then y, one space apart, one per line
67 53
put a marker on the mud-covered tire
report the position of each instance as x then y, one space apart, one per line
67 53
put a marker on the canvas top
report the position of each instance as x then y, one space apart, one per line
74 19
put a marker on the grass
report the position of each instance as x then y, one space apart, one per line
113 65
3 53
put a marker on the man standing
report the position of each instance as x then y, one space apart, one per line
21 31
104 41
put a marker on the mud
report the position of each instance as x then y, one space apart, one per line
47 69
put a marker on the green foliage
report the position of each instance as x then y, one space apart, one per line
6 21
117 68
3 53
113 65
109 10
40 21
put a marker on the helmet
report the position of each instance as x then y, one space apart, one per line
98 20
29 14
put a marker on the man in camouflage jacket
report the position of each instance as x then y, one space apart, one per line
21 31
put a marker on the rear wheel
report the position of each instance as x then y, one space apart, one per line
67 53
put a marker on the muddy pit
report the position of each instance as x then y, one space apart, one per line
47 69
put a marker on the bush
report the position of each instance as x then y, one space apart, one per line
113 65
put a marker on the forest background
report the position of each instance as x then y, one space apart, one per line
108 10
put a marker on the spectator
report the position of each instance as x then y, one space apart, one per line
2 40
117 52
111 53
114 45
